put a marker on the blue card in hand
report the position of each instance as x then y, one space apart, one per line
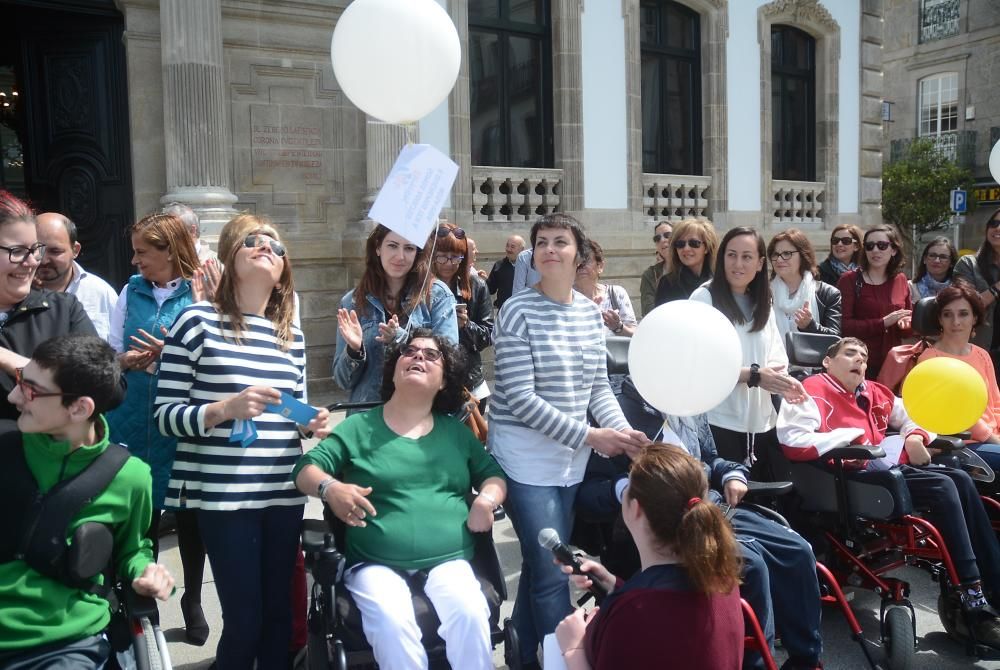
293 409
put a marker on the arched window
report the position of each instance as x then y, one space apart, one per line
671 88
793 104
510 83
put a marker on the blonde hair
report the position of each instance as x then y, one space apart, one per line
706 233
280 309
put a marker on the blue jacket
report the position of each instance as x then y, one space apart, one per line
132 423
363 378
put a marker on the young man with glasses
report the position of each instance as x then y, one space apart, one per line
55 611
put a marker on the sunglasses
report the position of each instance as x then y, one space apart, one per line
993 223
660 236
694 244
253 241
939 257
457 232
881 244
846 241
31 392
409 351
783 255
444 259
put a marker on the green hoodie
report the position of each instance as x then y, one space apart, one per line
36 610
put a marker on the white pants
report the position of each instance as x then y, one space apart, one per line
391 628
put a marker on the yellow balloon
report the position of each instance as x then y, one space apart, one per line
944 395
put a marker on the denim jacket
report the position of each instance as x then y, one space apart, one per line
363 378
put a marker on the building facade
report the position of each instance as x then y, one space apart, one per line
622 112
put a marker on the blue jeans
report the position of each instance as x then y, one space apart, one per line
253 552
543 591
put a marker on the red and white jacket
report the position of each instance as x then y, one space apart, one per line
832 415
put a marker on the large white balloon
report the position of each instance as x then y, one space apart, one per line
685 358
995 162
396 59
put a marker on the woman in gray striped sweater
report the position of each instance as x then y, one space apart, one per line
227 362
550 370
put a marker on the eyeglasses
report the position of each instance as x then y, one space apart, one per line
19 254
846 241
31 392
660 236
409 351
457 232
444 259
993 223
783 255
254 241
694 244
939 257
881 244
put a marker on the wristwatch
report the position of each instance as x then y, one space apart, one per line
754 378
323 486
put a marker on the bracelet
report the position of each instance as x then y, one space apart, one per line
490 499
323 486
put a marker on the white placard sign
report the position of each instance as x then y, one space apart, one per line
414 192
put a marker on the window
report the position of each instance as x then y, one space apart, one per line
938 104
793 104
938 19
671 88
510 83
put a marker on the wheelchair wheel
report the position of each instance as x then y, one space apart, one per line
147 653
900 646
511 646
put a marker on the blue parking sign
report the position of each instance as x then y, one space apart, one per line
959 200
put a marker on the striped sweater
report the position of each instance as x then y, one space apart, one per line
202 364
551 367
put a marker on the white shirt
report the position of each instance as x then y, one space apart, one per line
96 296
117 335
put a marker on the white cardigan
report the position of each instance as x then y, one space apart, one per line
749 410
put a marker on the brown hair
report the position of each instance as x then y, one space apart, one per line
759 290
835 348
165 231
985 258
670 486
854 232
373 281
460 283
959 290
952 253
280 309
798 239
892 269
706 232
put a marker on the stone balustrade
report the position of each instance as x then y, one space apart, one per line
675 197
514 194
797 203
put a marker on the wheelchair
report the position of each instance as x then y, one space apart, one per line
864 527
134 632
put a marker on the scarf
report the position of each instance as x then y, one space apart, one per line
785 305
927 286
840 266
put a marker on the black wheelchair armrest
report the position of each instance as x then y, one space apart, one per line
770 488
314 535
947 443
136 605
855 453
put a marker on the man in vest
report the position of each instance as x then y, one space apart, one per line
67 493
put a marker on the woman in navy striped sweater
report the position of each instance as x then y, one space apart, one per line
221 363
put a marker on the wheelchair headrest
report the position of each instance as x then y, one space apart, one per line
925 318
807 350
618 355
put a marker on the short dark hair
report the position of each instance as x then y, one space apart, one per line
69 226
455 364
835 348
959 290
83 365
564 222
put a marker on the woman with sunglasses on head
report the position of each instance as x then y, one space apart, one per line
551 370
395 292
399 476
472 297
743 424
982 270
801 302
651 276
876 297
690 260
845 253
28 316
226 364
937 265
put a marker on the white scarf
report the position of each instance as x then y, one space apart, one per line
786 305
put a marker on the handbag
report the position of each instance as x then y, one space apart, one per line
898 363
473 418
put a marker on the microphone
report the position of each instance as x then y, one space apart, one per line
548 538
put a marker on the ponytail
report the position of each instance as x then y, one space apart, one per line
707 548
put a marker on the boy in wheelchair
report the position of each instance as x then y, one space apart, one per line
73 503
843 406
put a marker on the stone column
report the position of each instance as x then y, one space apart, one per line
383 142
195 110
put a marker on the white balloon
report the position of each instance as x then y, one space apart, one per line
685 358
995 162
396 59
